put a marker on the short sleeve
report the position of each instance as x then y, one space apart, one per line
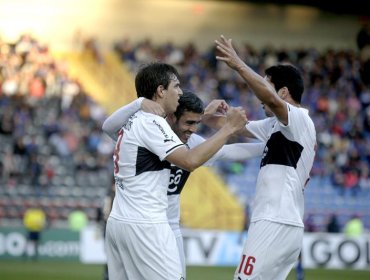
261 129
296 122
158 136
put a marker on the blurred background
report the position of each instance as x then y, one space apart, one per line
66 65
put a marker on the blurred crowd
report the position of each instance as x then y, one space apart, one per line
50 129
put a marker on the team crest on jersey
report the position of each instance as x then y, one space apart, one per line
118 183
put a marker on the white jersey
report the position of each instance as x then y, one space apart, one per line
141 175
285 166
179 176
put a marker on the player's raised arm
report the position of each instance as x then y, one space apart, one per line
240 151
263 90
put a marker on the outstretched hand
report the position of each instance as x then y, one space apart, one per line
228 53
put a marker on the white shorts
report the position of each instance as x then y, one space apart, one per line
141 251
270 251
180 246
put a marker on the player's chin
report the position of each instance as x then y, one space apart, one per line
174 108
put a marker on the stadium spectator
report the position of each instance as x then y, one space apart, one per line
354 227
8 167
363 44
333 224
140 202
77 219
351 180
364 181
92 46
276 228
309 223
184 122
34 220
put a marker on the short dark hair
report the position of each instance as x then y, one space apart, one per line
151 76
286 75
189 102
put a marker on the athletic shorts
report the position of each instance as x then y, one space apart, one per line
180 246
141 251
270 251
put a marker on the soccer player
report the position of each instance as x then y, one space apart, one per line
276 231
184 122
139 241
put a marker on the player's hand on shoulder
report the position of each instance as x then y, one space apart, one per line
152 107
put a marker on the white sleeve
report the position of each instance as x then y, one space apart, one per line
114 122
261 129
195 140
158 137
240 151
296 123
232 152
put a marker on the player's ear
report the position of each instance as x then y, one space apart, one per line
284 93
160 91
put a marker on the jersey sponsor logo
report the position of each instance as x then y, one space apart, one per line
169 140
178 178
280 150
147 161
163 132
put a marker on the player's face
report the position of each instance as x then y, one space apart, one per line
186 125
172 95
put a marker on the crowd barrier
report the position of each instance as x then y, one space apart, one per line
202 247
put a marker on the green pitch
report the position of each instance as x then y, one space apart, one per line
43 270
